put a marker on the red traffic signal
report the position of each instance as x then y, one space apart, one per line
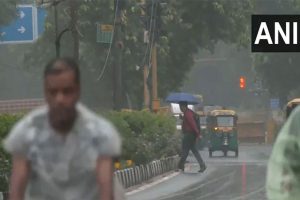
242 82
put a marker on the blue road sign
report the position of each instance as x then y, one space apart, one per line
26 27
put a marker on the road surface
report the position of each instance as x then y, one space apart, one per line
227 178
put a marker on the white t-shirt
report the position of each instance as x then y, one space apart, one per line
63 167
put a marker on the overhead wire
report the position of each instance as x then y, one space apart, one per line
109 50
152 37
149 33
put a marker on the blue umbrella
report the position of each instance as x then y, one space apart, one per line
177 97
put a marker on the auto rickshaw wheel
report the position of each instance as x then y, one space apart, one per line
237 153
210 153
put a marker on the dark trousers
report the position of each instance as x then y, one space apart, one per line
189 143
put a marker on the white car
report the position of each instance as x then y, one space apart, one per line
175 109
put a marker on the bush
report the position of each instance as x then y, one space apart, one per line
6 123
146 136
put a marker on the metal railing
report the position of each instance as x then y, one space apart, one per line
139 174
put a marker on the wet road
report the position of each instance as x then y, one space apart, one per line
227 178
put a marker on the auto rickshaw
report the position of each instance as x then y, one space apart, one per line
203 129
222 132
291 105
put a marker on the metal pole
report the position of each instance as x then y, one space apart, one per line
146 89
155 100
57 35
74 19
154 72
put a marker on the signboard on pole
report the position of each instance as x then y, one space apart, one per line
104 33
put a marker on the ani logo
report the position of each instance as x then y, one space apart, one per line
275 33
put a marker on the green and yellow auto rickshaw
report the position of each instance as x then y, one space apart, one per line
203 129
222 132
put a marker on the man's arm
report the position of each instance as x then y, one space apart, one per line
19 178
104 172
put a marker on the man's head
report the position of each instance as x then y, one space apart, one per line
62 91
183 106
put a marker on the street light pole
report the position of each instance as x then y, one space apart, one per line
58 36
73 28
57 42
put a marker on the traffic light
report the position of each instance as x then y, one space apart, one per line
242 82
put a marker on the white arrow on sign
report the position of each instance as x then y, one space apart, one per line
22 29
22 15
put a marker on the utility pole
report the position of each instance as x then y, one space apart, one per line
145 12
149 16
155 100
154 36
146 89
117 56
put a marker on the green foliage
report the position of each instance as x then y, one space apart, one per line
186 27
6 123
278 71
8 11
146 136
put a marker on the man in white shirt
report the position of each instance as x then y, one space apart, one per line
62 151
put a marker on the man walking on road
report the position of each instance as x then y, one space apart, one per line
191 135
62 151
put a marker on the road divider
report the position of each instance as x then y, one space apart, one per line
138 174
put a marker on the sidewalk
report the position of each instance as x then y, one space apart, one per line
165 186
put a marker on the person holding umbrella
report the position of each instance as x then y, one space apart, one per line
191 134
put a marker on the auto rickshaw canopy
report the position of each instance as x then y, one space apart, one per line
293 102
223 112
201 113
291 105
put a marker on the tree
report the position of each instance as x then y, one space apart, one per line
280 73
8 11
201 24
186 27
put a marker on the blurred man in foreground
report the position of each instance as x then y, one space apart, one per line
62 151
283 175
